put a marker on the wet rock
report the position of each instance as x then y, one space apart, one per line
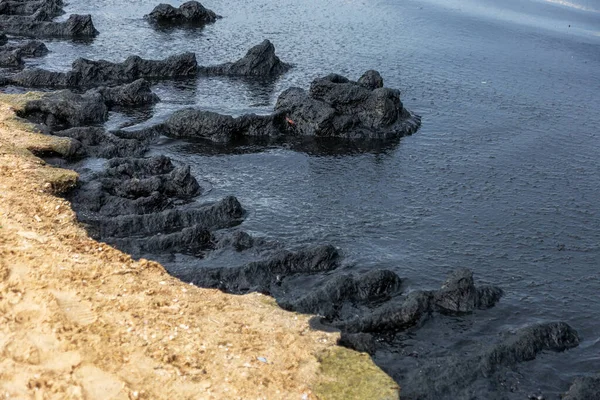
11 55
88 73
191 12
199 124
137 93
363 342
458 294
337 107
113 195
262 276
260 61
31 48
342 289
528 342
10 59
49 8
3 39
222 214
96 142
64 109
484 373
371 80
77 26
584 388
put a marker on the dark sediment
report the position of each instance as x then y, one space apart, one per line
189 13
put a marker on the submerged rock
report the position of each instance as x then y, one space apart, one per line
483 374
337 107
259 61
88 73
77 26
11 55
528 342
584 388
191 12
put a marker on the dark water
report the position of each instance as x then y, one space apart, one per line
503 177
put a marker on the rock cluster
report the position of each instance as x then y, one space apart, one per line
189 13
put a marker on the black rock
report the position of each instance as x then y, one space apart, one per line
259 61
137 93
363 342
77 26
458 294
65 109
49 8
339 290
96 142
337 107
199 124
88 73
484 373
528 342
262 276
191 12
371 80
11 55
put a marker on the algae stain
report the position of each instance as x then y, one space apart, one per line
347 374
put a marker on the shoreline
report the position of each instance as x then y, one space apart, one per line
84 320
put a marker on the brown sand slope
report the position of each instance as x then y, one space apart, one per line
81 320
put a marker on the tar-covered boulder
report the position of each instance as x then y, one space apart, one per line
76 26
338 107
259 61
189 13
86 73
